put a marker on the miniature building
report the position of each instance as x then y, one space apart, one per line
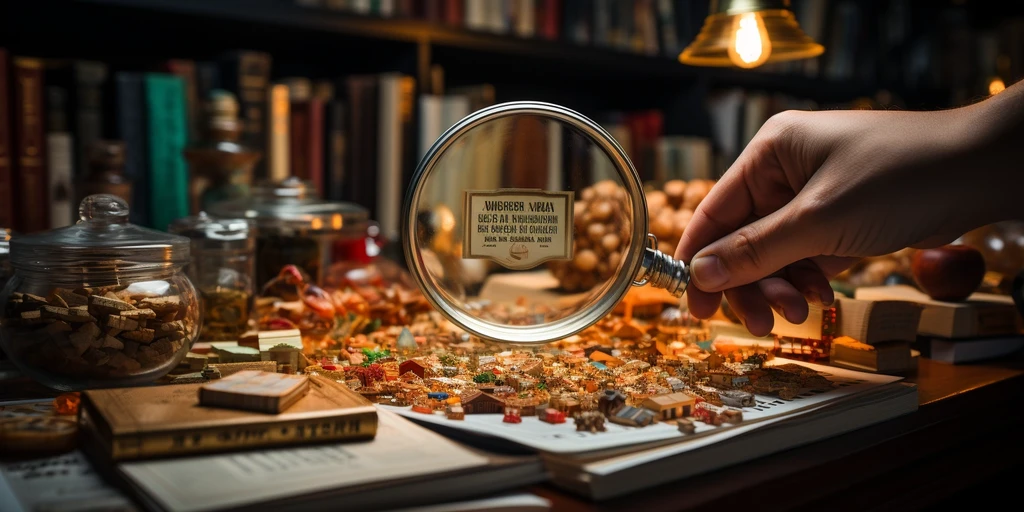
414 366
512 415
477 402
714 360
590 421
737 398
610 401
533 368
671 406
675 383
455 412
553 416
567 405
727 377
686 426
717 415
634 416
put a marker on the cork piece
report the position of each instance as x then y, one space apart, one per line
141 335
139 314
162 347
171 330
162 304
100 305
67 314
130 348
56 300
71 298
122 323
112 342
58 326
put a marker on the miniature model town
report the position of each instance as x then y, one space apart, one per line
647 364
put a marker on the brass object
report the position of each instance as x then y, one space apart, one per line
787 40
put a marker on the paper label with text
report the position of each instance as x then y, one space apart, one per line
518 229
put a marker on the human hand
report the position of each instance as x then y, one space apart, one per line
814 191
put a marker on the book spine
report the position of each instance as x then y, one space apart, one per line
6 161
60 153
279 126
30 180
131 129
89 78
168 131
186 70
247 75
344 428
307 142
336 157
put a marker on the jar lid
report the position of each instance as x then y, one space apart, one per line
516 202
103 240
210 233
291 206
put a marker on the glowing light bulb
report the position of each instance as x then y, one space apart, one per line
750 44
996 86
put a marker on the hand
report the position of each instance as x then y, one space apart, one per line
814 191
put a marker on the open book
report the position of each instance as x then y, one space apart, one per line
404 465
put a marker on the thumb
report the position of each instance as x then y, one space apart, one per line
755 251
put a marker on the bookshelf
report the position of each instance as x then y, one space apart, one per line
600 81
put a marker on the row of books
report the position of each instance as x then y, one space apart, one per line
651 27
356 138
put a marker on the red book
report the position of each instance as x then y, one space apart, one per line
453 14
549 18
645 128
30 181
6 172
306 133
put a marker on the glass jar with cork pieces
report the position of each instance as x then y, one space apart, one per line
102 303
222 269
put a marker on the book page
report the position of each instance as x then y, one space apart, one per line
64 483
400 450
564 439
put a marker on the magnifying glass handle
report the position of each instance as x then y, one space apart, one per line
663 271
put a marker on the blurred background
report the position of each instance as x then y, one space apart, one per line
181 103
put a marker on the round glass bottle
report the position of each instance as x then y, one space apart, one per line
222 269
102 303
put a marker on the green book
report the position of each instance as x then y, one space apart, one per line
168 135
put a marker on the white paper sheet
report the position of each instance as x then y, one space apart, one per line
400 450
520 502
563 438
65 483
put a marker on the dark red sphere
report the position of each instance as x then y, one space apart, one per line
949 273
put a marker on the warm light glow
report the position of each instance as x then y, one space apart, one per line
316 223
336 221
996 86
750 44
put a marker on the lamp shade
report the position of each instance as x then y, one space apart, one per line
772 28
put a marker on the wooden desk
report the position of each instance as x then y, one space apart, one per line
963 435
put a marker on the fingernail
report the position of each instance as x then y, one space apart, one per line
828 297
708 272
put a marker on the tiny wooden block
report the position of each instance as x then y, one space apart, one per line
71 298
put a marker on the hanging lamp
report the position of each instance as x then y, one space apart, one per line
749 33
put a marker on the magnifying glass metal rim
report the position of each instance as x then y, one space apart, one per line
613 291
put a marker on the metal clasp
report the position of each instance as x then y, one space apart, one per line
661 270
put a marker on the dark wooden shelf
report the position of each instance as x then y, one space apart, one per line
529 54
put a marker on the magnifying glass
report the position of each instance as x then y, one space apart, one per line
501 193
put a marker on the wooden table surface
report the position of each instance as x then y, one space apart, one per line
967 431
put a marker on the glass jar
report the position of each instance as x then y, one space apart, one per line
222 269
294 227
102 303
